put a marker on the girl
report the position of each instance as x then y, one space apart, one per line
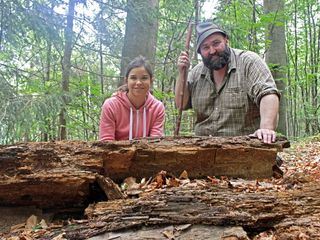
133 112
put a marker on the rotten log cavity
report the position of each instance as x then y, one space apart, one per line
68 173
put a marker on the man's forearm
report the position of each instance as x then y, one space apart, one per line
269 109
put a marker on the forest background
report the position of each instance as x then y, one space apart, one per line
60 59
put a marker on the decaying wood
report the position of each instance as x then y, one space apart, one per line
293 210
200 157
278 209
289 213
54 174
111 189
179 232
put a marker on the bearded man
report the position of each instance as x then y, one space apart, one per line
232 91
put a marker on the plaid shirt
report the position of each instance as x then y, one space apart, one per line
233 109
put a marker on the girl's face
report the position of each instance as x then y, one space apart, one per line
139 82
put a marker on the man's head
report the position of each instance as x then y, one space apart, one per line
212 45
206 29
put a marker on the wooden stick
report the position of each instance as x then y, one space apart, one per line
183 78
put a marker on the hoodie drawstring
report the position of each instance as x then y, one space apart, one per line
137 123
131 124
144 122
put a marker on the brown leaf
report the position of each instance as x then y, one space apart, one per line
184 175
160 179
224 178
43 224
131 183
213 180
173 182
31 222
169 233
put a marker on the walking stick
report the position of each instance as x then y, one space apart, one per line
183 78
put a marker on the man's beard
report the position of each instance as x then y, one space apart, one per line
218 60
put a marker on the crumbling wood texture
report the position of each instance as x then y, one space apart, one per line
200 157
291 214
54 174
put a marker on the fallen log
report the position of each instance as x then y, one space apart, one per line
62 174
291 212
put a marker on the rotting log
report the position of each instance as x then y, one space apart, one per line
290 212
62 174
239 157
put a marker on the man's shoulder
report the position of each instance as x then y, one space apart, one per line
245 54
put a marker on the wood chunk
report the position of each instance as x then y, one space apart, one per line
111 189
60 174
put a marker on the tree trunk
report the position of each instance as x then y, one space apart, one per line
141 32
61 174
101 67
276 55
66 68
253 46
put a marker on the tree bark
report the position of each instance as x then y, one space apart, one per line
62 174
141 32
290 213
276 55
66 68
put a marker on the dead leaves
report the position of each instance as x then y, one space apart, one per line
161 180
33 229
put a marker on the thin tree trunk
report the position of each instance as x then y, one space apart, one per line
66 69
253 32
1 23
47 79
296 75
101 68
313 68
304 86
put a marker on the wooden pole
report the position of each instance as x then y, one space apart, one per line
183 78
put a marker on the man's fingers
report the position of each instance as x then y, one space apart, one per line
266 135
259 134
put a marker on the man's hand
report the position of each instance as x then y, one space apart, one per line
181 90
183 62
266 135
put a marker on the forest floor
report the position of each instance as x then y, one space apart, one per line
301 165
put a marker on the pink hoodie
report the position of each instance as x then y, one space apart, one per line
120 120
